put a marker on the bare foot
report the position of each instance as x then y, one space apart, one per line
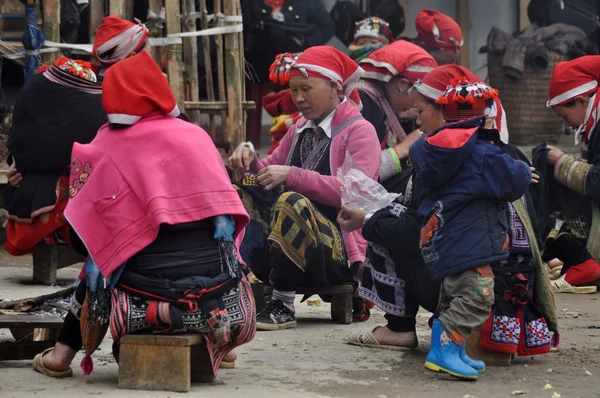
60 358
231 356
398 339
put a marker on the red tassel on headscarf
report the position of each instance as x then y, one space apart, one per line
443 100
470 99
87 365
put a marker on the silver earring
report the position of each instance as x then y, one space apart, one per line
331 97
399 92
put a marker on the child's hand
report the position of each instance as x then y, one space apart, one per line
351 219
535 178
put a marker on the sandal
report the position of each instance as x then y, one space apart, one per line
562 286
227 365
555 273
38 365
367 339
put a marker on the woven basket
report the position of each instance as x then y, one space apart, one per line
524 101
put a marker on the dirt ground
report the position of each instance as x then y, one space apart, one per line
313 361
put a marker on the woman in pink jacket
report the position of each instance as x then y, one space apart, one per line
293 238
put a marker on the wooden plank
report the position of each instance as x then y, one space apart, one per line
523 18
18 351
190 51
214 106
174 51
96 15
179 340
30 321
121 8
154 367
221 67
235 132
462 17
210 91
51 28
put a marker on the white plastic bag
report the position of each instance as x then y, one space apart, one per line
360 191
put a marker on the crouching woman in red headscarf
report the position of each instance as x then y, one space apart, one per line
293 238
152 203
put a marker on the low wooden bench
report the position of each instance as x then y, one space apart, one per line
163 362
33 334
47 259
341 298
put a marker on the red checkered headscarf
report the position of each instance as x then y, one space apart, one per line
399 58
120 36
325 62
435 83
134 88
576 78
464 99
438 30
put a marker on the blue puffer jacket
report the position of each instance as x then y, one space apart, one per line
462 183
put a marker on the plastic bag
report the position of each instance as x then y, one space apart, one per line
360 191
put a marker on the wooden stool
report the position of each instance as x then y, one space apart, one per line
34 334
341 298
491 358
165 363
48 259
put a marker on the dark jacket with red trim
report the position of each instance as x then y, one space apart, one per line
463 183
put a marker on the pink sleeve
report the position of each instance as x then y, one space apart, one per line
364 147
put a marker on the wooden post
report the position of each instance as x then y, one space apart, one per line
235 134
174 51
523 18
220 66
210 90
155 6
121 8
1 32
96 15
462 17
191 59
51 28
242 66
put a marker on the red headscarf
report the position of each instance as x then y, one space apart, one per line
465 99
399 58
436 82
134 88
575 78
325 62
438 30
374 28
119 34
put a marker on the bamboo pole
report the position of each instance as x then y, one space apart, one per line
96 15
51 28
242 65
220 65
121 8
235 134
523 17
155 6
190 53
174 51
462 17
210 91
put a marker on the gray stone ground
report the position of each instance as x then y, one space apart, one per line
312 360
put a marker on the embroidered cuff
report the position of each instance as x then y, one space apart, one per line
572 173
390 164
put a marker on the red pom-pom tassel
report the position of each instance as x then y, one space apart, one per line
87 365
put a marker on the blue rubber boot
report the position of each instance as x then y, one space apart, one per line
444 355
475 364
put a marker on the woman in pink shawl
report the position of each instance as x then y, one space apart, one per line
153 206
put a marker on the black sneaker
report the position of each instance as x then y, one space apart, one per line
276 316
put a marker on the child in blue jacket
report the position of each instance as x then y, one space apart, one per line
463 182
